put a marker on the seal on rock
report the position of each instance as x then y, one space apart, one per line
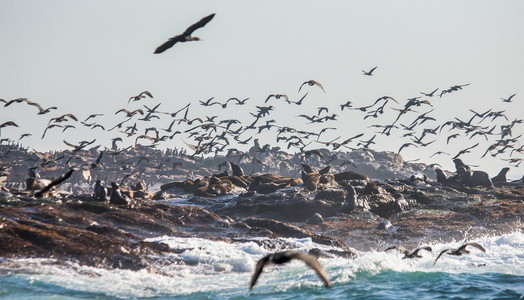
116 195
100 191
501 176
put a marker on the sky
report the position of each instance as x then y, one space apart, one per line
88 57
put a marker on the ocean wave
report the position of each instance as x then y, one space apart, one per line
205 266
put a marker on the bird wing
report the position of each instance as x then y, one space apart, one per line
40 109
474 245
302 86
53 183
428 248
71 116
399 248
168 44
320 86
198 24
258 270
99 158
147 93
443 251
313 263
69 144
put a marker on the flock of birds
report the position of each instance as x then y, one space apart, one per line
205 134
211 135
311 261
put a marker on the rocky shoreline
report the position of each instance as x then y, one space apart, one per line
336 207
95 233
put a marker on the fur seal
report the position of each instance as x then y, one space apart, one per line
311 180
100 191
350 175
351 197
407 253
461 250
279 258
501 176
262 186
237 170
116 196
441 177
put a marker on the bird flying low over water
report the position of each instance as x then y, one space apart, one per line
186 36
279 258
461 250
407 253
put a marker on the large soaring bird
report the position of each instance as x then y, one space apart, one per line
186 36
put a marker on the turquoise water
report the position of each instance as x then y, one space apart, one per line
222 271
384 285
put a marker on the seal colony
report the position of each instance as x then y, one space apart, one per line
264 202
265 206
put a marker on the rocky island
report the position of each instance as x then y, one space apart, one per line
351 201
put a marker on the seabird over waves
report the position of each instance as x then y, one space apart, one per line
407 253
279 258
461 250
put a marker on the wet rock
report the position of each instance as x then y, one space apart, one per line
383 205
334 195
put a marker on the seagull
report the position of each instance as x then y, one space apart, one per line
461 250
279 258
370 72
186 36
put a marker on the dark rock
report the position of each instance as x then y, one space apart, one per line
335 195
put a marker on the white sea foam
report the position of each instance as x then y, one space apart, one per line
225 268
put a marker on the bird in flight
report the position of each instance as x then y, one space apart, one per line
370 72
410 254
279 258
508 100
312 83
461 250
186 36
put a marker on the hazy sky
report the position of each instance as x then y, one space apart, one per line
89 57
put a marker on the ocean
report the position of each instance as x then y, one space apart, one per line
218 270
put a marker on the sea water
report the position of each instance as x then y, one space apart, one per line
217 270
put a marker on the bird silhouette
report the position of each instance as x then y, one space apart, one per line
461 250
312 83
186 36
279 258
370 72
508 99
410 254
431 94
